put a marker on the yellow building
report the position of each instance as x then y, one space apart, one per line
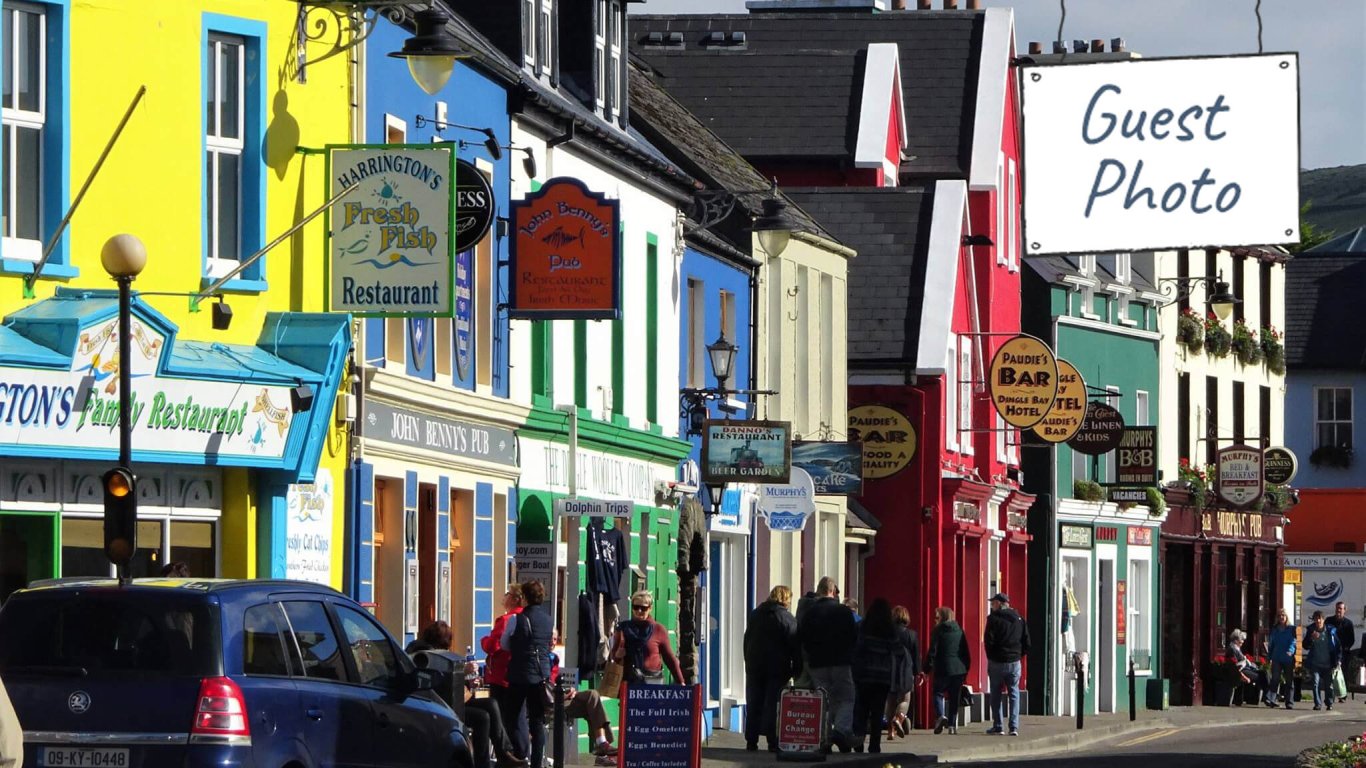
239 474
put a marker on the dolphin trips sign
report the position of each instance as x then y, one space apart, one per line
1161 153
389 248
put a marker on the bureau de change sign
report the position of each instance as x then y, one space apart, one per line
1147 154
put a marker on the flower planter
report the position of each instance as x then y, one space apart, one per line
1224 692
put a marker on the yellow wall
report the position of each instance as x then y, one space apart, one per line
151 184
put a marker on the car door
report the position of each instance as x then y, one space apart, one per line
407 722
271 695
337 724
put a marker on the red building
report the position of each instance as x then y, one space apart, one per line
897 131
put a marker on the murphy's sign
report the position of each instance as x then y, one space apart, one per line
389 247
1023 381
565 259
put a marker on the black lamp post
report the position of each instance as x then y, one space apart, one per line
123 257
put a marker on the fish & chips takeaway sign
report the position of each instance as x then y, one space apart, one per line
389 246
1150 154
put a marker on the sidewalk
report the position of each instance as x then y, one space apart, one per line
1038 736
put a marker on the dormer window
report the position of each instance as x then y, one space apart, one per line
545 40
616 78
529 32
600 34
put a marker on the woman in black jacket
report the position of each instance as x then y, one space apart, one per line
875 655
899 702
528 636
771 659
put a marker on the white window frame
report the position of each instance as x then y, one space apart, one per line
1080 470
697 318
395 124
616 59
529 18
1001 209
15 247
1013 219
1002 451
1086 265
545 50
951 396
217 145
1140 610
1142 412
604 8
1351 404
965 372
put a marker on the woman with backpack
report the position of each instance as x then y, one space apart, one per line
641 645
880 666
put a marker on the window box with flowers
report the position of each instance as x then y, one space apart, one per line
1087 490
1246 347
1339 456
1218 341
1197 480
1273 349
1190 330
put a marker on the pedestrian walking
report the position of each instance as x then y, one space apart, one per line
496 671
826 632
1322 654
852 605
876 652
949 661
1347 634
1280 651
527 637
772 658
641 645
899 702
1006 639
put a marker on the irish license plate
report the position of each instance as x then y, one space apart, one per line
83 757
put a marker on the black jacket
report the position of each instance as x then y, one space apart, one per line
827 632
1006 637
771 642
530 647
1347 631
908 638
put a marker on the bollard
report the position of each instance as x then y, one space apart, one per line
1080 662
1133 694
557 738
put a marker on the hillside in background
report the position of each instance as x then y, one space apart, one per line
1338 197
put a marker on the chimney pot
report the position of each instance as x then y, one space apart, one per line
924 5
1035 48
950 5
1079 46
1058 47
1097 46
898 5
1117 44
974 5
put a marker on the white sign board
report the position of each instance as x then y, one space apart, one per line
308 529
389 246
787 507
1151 154
533 561
592 508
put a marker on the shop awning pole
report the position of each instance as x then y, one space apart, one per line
288 233
61 226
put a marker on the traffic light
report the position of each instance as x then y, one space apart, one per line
120 515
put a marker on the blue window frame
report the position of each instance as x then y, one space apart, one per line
233 120
35 186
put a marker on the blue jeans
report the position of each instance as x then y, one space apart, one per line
1279 681
947 690
1004 673
1322 678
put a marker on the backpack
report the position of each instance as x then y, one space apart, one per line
903 670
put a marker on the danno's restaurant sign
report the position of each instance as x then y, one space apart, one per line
746 451
389 247
1023 381
1157 153
566 262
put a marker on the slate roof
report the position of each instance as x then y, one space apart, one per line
767 87
1350 242
889 228
1322 311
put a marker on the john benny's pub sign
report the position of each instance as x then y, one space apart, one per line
79 408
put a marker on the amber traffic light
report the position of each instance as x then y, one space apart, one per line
120 515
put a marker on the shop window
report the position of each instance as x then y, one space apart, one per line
234 186
192 543
25 551
83 547
316 641
1140 629
1333 417
263 650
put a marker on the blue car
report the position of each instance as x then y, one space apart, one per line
186 672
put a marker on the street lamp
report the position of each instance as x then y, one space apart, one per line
772 226
123 257
1220 298
722 354
432 51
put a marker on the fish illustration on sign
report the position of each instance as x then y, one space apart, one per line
559 238
395 259
1326 594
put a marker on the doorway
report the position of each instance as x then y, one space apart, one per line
426 554
1105 649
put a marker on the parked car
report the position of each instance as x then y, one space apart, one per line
196 672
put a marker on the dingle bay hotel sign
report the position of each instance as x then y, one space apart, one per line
462 439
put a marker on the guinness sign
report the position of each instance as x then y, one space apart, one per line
1279 465
473 206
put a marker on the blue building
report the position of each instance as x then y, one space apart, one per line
433 489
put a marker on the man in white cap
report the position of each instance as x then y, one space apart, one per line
1007 642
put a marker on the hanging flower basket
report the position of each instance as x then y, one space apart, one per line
1190 331
1087 490
1273 349
1197 479
1157 503
1218 341
1245 345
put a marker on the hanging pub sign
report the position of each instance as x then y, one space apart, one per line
888 438
1136 457
1157 151
388 243
746 451
474 205
1101 431
1279 465
835 468
565 259
1023 381
787 506
1069 406
1239 475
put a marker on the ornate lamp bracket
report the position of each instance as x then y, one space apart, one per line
339 25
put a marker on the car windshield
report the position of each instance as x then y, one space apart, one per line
108 632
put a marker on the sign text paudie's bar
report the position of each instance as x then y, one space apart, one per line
566 258
1101 431
889 439
389 246
1069 406
1023 381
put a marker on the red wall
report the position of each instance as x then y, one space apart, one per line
1327 518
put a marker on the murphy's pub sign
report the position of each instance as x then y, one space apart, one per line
566 262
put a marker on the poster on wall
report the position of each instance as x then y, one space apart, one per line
746 451
835 468
565 257
308 529
1157 154
1023 381
388 242
888 437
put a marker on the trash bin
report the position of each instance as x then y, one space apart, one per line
448 672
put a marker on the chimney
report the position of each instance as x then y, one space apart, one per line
1035 49
898 5
923 5
1097 46
1117 45
974 5
950 5
1059 47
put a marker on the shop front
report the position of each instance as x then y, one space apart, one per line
229 443
1221 570
728 583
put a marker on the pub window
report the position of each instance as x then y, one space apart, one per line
951 396
1183 415
1183 268
965 395
1265 289
1239 286
1211 419
1238 416
1333 417
1264 416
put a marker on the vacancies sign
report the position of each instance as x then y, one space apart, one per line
1161 153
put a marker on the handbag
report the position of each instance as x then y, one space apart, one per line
609 687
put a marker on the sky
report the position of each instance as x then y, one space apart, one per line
1328 36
